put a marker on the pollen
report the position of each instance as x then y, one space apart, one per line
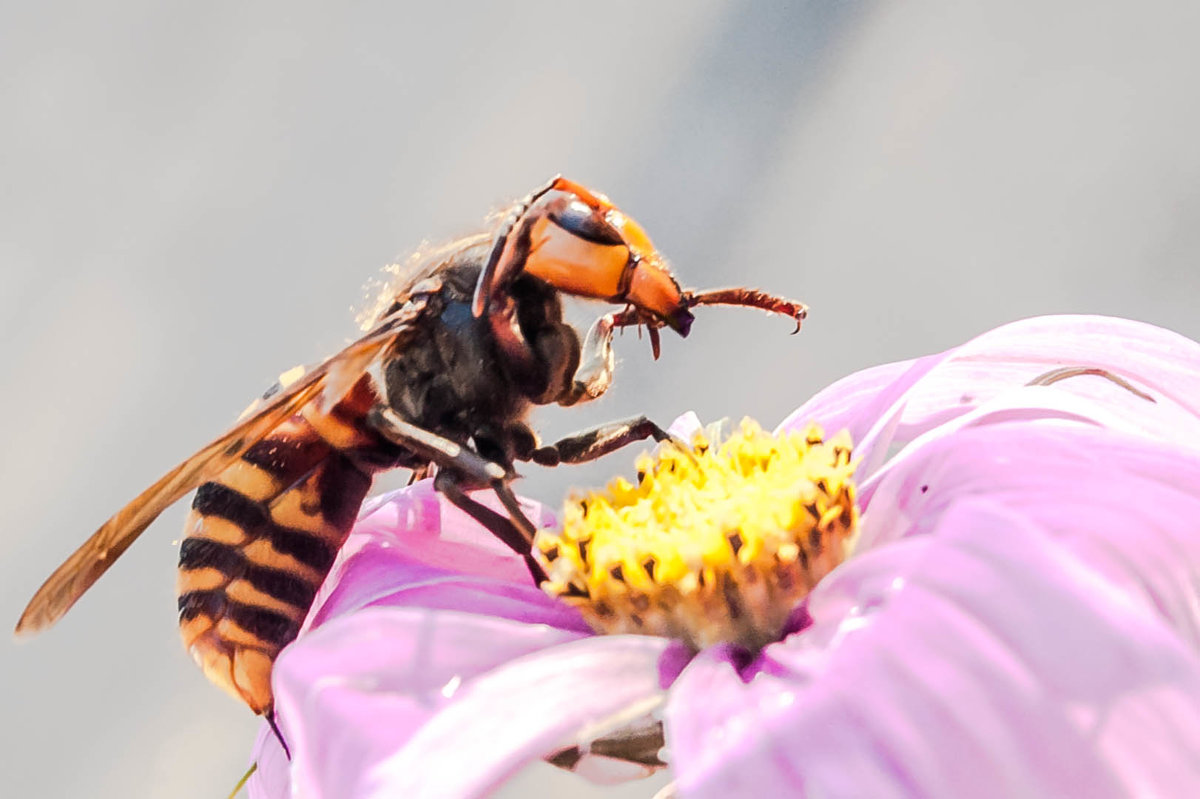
714 544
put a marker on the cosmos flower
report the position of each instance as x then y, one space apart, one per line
1019 613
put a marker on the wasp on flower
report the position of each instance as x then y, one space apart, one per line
463 345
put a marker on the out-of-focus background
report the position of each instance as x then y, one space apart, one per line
192 198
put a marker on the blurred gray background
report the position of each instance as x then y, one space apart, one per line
192 198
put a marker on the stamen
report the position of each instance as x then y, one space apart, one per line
716 544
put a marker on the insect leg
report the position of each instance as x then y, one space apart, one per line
641 743
591 444
269 715
596 359
596 364
459 466
442 452
517 539
419 473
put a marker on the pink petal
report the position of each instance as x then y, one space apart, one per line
856 402
986 661
377 573
523 710
1023 617
352 692
1029 406
1123 505
686 426
894 404
412 548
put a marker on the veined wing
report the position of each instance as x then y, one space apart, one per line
81 570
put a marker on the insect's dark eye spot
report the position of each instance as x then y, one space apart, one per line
577 218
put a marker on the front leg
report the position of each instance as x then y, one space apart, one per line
591 444
596 364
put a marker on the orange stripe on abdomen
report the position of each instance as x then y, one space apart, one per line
261 538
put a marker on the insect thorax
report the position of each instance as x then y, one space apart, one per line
451 378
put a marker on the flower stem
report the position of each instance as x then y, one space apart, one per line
245 778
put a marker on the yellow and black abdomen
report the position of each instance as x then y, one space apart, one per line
263 535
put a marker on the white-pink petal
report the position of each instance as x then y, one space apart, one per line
522 711
1125 505
999 666
1022 615
352 692
893 404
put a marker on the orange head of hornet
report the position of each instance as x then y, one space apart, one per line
578 242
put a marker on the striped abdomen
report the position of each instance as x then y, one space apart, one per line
261 538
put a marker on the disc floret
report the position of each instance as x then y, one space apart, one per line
716 544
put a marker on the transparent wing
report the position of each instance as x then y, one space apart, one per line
81 570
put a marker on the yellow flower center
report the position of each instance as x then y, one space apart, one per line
714 545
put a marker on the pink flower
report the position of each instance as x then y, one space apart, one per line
1021 616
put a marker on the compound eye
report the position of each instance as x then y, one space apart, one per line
578 219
